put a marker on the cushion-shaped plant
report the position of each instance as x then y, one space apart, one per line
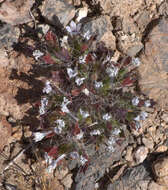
87 99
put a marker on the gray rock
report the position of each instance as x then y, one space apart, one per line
163 9
102 27
136 178
99 162
58 12
16 12
132 51
143 20
8 36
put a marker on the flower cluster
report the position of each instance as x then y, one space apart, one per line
84 101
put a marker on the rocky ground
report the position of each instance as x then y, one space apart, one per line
138 28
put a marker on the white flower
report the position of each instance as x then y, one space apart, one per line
47 89
96 185
87 35
137 125
137 118
38 136
64 42
80 135
64 105
74 155
116 131
83 160
112 71
74 28
65 109
84 114
47 158
79 81
98 84
54 163
135 101
106 117
37 54
143 115
111 143
85 91
147 103
136 61
71 73
61 125
95 132
44 103
82 59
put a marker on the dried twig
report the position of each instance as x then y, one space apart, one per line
16 157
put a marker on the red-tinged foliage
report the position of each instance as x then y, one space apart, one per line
50 135
84 47
76 129
109 126
141 103
37 104
128 81
53 152
75 92
50 37
47 59
127 61
88 58
133 125
62 113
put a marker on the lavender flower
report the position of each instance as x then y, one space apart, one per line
74 28
74 155
71 73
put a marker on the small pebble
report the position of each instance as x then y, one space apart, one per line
141 154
